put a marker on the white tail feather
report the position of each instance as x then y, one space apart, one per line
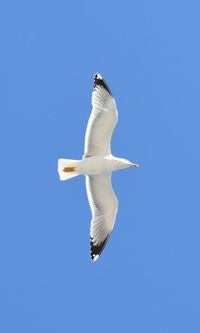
62 164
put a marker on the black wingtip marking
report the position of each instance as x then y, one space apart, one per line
99 81
96 250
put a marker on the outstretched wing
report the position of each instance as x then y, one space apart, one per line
102 121
103 203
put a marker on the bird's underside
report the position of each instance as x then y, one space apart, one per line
97 164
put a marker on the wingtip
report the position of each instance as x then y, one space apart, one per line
94 258
98 76
99 81
96 250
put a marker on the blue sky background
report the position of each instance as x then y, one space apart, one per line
147 279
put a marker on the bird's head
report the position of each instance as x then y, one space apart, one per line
130 164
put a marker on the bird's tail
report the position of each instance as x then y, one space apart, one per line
67 168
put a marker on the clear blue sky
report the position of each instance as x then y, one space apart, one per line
147 279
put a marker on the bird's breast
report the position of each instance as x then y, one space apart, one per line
96 165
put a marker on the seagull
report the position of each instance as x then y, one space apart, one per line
97 165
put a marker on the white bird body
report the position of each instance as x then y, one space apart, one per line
97 165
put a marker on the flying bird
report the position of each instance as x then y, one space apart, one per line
97 165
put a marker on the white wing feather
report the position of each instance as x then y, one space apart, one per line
104 204
102 121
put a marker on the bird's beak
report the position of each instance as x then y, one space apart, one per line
134 165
